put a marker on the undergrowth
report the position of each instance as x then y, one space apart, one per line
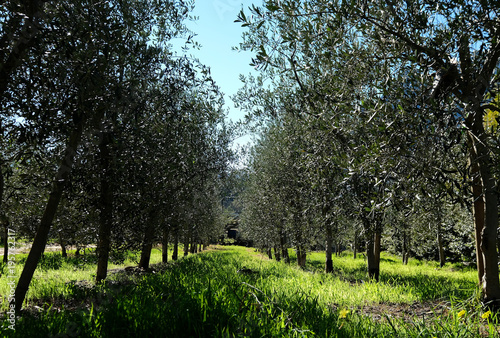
234 292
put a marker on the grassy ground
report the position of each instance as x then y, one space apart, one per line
236 292
57 277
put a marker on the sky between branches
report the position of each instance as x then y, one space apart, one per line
218 33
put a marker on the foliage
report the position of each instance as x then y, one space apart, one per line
389 99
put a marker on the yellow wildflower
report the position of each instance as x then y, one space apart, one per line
343 313
486 315
461 314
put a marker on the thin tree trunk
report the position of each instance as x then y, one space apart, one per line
106 207
376 252
186 244
329 248
405 253
277 254
408 249
175 252
370 255
478 205
301 256
63 245
48 215
147 244
355 249
284 249
164 244
442 259
373 267
269 253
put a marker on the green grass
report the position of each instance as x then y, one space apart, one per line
55 275
204 295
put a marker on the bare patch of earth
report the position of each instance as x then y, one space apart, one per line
407 312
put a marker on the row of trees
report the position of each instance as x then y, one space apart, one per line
379 116
107 136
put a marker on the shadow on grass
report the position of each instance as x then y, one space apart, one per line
425 286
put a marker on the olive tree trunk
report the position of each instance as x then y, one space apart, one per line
164 244
48 215
284 248
187 237
373 236
355 245
106 207
442 258
329 248
147 243
277 254
175 250
301 256
477 205
487 225
63 245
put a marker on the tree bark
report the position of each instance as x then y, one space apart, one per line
284 249
106 207
301 256
329 248
373 236
164 244
175 251
490 280
477 203
48 215
405 248
277 254
186 244
442 259
269 253
355 249
147 244
370 255
63 245
376 252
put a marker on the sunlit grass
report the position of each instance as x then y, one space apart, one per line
54 275
236 292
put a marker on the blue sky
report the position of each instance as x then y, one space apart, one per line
217 33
